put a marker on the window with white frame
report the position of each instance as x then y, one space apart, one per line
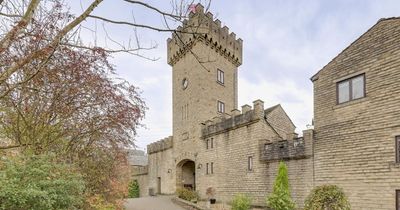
220 76
221 107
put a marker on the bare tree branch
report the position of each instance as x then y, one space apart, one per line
6 41
50 47
131 24
176 17
12 146
10 15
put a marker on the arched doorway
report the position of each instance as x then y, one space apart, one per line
186 174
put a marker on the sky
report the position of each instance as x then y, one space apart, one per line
285 42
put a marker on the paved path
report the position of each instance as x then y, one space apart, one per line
151 203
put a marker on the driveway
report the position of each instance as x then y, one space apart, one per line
151 203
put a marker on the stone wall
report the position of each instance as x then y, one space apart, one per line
355 141
161 176
245 135
300 168
161 145
143 184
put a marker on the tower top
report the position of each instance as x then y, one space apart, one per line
201 27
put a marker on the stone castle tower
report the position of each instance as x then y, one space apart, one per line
205 60
356 143
215 145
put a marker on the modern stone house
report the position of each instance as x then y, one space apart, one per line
357 119
355 143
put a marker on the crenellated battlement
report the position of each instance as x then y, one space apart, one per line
235 119
201 27
160 145
289 149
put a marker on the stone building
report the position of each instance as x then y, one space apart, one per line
213 143
355 143
357 119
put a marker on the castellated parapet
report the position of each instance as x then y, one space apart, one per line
234 120
160 145
201 27
289 149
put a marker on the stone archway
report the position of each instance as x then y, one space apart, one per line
186 174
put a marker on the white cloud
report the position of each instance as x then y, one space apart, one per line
285 43
296 101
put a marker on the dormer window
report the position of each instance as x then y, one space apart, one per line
351 89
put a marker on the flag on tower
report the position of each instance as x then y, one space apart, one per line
192 8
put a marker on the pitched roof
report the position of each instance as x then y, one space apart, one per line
272 108
315 76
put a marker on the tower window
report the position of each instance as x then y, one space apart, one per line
351 89
250 163
220 76
207 170
221 107
397 149
212 168
210 143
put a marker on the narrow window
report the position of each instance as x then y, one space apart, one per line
397 149
250 163
397 199
212 167
212 143
220 76
221 107
207 168
208 141
351 89
187 111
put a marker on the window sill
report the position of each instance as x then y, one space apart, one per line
349 103
222 84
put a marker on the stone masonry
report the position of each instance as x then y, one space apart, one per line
355 141
238 151
222 149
